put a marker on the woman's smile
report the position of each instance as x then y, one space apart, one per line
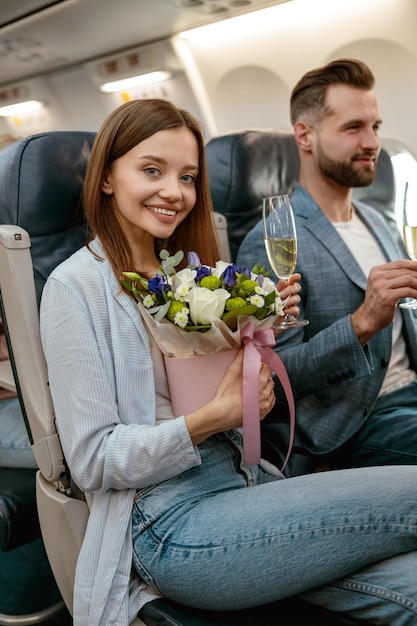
162 211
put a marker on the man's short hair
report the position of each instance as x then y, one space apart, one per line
308 95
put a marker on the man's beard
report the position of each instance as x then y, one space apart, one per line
343 173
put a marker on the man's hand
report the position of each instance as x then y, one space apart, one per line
387 284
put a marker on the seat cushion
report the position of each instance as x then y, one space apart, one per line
288 612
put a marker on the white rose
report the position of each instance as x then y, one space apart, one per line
206 305
220 267
183 279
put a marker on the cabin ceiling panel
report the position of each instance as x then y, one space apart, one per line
39 37
224 8
12 10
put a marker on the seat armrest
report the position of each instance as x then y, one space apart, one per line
21 321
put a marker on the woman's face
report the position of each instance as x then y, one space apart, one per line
154 184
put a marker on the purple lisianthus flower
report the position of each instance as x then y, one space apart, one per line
156 285
202 272
260 279
193 259
229 275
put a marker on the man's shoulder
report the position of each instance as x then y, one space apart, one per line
255 231
365 207
301 201
371 213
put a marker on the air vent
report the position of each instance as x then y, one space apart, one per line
218 7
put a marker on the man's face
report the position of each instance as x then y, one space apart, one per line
346 142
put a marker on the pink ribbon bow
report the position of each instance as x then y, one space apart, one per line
257 348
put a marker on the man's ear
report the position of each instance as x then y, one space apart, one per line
303 136
106 186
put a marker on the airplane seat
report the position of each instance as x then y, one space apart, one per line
22 161
244 167
41 223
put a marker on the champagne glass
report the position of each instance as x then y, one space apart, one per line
281 243
410 237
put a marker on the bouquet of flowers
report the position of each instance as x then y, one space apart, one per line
195 296
200 316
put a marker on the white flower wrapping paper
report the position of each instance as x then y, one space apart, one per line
195 364
175 342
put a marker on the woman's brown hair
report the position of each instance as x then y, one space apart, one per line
121 131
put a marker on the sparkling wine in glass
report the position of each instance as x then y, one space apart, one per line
281 243
410 237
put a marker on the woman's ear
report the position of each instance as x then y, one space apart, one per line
106 186
303 136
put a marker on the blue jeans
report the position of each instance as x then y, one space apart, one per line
225 536
15 450
389 435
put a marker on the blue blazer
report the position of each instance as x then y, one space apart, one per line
335 380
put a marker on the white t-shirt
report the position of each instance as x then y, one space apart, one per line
367 252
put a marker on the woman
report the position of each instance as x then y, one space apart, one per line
173 509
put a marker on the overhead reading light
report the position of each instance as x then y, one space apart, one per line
20 107
134 81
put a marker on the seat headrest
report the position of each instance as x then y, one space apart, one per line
41 178
246 166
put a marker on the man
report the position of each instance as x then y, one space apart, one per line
353 368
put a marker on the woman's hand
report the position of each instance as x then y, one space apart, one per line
291 290
266 391
225 411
